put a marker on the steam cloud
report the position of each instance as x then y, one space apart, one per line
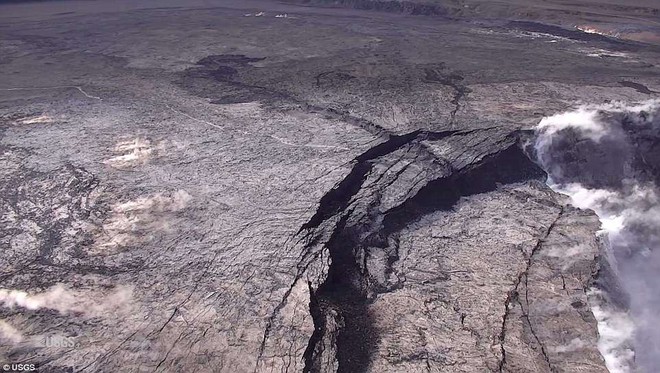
64 301
9 334
607 158
134 152
143 218
88 302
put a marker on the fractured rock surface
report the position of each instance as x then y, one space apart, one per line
215 187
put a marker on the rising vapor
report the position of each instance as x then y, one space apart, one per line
64 300
607 158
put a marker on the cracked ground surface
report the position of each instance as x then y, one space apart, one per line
191 187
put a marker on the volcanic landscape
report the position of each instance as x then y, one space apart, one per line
330 186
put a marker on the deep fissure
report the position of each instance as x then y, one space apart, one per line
340 305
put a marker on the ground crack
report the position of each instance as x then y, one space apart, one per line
340 305
514 296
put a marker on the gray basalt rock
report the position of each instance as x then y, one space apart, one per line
211 188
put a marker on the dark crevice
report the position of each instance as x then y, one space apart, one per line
345 292
338 198
306 260
340 305
508 166
344 116
510 297
343 275
528 321
452 80
525 311
513 296
314 346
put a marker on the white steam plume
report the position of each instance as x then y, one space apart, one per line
603 158
65 301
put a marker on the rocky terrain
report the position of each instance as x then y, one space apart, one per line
637 20
257 186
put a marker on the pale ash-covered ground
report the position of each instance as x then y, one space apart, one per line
189 188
